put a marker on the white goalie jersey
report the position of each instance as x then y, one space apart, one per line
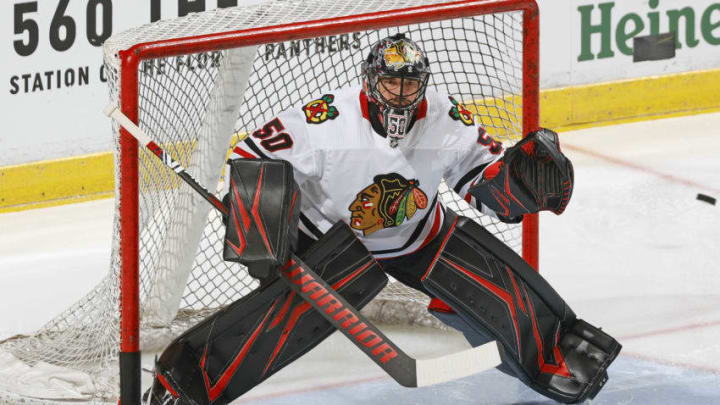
348 172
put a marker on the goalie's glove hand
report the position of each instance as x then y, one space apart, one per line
533 175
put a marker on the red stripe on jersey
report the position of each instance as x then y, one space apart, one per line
244 153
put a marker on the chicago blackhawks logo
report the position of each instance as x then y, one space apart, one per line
459 112
400 54
318 111
387 202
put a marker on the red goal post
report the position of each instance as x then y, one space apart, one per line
132 58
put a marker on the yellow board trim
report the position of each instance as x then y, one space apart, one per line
56 182
637 99
89 177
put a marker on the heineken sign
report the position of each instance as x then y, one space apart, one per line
690 23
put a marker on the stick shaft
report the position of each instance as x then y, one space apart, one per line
113 112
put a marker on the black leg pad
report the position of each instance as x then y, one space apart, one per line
495 291
235 349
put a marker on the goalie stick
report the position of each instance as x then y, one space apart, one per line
406 370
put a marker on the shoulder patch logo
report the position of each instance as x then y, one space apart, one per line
320 110
459 112
385 203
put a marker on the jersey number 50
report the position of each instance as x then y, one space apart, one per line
271 137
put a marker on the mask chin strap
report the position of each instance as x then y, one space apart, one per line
396 124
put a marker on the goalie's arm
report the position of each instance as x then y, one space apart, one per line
283 137
479 152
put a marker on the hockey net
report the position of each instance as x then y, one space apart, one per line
199 87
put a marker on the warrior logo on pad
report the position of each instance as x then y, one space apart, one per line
385 203
320 110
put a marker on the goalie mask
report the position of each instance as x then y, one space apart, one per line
396 75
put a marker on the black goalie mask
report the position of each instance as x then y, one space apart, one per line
396 75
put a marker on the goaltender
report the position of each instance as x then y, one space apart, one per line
367 162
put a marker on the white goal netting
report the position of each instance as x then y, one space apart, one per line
192 105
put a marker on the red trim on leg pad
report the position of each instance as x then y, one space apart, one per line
436 304
167 386
493 170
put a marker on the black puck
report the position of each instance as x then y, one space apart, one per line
706 198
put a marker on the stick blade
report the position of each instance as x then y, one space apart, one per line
457 365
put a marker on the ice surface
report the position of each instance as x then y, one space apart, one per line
635 253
